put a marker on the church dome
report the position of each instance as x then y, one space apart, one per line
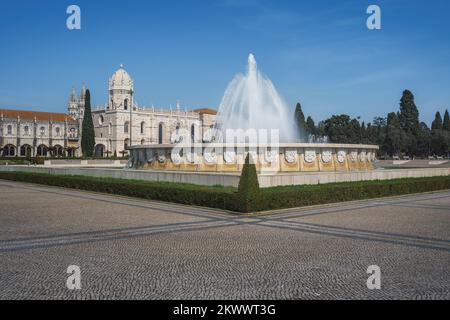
121 80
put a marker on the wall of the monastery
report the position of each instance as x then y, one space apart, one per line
110 127
34 134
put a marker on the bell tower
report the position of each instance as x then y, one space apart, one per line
73 104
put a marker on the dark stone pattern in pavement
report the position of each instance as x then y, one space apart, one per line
135 249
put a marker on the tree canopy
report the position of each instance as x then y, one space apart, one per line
398 133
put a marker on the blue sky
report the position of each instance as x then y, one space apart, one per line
317 52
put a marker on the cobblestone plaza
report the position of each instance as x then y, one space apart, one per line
136 249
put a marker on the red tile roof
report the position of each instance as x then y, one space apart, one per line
31 115
205 111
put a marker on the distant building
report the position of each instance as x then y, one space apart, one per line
117 124
30 133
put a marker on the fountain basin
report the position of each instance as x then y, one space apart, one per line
226 157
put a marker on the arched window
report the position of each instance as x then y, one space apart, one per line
142 127
110 128
58 151
42 150
100 120
42 131
142 141
193 133
9 129
72 133
9 150
100 149
126 143
160 133
125 127
25 150
125 104
26 130
58 131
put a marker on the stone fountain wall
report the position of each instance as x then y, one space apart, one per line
285 158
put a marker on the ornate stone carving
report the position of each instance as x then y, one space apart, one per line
341 156
229 157
176 158
354 156
190 157
362 156
161 157
210 157
310 156
270 156
291 156
327 156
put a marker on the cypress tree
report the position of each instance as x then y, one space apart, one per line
446 133
300 122
310 126
446 125
439 139
87 131
248 189
409 114
409 122
437 123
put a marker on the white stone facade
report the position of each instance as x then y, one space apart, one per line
122 122
118 124
28 133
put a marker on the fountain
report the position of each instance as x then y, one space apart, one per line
251 102
252 118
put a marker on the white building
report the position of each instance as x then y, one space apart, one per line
121 122
118 124
30 133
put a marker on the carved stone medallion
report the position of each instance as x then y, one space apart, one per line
176 158
310 156
327 156
291 156
210 157
362 156
270 156
229 157
161 157
341 156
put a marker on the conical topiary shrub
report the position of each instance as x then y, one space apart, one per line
248 189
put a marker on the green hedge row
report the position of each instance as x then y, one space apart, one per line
300 196
229 198
215 197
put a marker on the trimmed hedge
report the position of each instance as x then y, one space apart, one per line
300 196
229 199
215 197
